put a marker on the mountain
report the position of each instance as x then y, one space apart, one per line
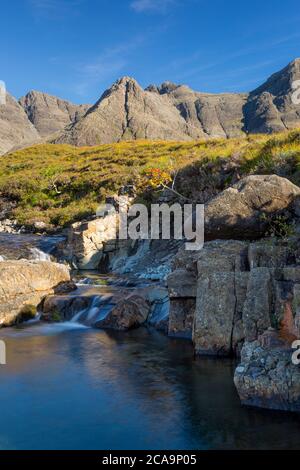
270 108
16 130
50 114
166 112
169 111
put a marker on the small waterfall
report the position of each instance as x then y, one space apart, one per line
98 309
39 255
2 258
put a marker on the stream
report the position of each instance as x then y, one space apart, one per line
71 386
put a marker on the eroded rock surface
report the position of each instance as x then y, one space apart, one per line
266 376
242 211
25 283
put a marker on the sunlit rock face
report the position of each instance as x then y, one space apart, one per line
25 283
16 130
50 114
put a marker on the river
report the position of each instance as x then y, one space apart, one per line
68 386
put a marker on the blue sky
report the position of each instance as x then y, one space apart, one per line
77 48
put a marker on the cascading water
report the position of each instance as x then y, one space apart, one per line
98 309
39 255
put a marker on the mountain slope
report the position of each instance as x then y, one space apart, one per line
15 128
270 107
50 114
127 112
169 111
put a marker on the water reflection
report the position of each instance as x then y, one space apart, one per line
68 388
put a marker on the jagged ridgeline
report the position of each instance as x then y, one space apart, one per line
166 112
61 184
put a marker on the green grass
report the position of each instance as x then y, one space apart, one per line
61 184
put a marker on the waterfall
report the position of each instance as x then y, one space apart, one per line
37 254
98 309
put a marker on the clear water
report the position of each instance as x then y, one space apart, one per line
70 387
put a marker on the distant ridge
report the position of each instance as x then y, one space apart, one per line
166 112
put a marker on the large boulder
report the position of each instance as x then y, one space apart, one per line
243 211
25 283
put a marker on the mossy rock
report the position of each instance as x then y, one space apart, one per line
27 313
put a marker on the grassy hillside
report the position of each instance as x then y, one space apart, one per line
59 184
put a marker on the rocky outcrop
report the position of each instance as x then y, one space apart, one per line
16 130
266 376
110 308
50 114
245 210
231 292
86 241
25 283
243 298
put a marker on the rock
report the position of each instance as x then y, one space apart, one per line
63 307
266 377
258 303
8 226
158 298
16 130
39 225
221 292
27 283
232 291
237 212
50 114
182 314
86 240
129 313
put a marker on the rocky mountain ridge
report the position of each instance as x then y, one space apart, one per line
126 111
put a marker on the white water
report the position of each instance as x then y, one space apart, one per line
98 309
39 255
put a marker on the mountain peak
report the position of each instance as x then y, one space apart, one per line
163 89
49 113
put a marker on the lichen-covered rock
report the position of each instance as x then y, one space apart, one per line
266 376
221 293
237 212
232 291
27 283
